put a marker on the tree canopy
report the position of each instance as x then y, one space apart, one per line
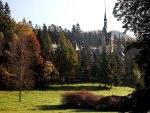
135 16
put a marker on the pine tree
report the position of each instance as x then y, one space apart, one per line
78 34
1 43
73 36
48 48
90 58
73 60
114 69
87 63
54 32
62 55
104 67
84 64
5 18
46 43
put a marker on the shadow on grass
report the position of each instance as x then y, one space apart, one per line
51 107
60 107
3 109
86 110
77 88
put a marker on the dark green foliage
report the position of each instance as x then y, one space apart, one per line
62 53
73 60
66 57
135 17
114 69
1 43
143 60
38 69
104 67
129 71
95 66
68 62
109 103
92 38
46 43
133 74
76 36
137 101
87 63
53 32
80 37
90 61
5 18
46 72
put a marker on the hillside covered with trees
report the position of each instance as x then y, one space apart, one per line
34 57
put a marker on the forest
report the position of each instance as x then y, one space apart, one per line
36 57
42 55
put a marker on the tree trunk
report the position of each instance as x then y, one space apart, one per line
20 90
69 80
62 80
105 85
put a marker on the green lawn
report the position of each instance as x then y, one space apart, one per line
48 101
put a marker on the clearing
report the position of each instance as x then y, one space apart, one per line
48 101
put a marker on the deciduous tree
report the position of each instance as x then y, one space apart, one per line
21 63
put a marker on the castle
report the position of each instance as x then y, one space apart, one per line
109 41
105 40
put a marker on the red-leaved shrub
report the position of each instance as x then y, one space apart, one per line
80 99
136 101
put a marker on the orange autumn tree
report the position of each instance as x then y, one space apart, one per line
25 52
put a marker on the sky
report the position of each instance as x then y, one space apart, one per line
88 13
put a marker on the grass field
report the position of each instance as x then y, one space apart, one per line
48 101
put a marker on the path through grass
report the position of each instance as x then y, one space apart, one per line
48 101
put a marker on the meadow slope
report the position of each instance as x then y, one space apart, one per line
48 101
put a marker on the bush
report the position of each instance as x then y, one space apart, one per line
7 82
80 99
138 100
111 103
85 99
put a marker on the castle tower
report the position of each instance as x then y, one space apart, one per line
105 38
104 31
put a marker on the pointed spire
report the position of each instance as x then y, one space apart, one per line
105 15
105 11
105 37
105 19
